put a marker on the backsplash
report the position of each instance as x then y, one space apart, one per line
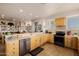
60 28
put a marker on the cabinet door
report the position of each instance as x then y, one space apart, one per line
60 21
42 39
33 43
45 39
51 38
74 42
38 41
68 42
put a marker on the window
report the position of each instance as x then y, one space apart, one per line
73 22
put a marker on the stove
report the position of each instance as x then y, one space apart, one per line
59 38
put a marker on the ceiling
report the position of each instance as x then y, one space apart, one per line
29 11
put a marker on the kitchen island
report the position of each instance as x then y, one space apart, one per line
20 44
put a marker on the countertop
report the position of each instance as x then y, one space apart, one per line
22 36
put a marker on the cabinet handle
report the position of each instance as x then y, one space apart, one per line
13 48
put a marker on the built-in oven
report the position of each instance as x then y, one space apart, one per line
59 38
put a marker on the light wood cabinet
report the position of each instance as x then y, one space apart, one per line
74 43
68 41
39 40
12 48
60 21
35 42
71 42
78 46
51 38
45 39
42 39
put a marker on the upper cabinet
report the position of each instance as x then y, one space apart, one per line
60 21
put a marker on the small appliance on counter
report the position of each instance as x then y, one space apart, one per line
48 32
68 32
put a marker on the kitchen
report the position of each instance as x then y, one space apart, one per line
39 30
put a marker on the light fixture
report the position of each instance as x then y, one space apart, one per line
30 14
2 16
21 10
36 16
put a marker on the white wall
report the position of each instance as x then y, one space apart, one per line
47 25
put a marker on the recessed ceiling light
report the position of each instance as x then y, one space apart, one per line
2 15
36 16
30 14
21 10
14 19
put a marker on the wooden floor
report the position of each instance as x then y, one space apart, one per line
54 50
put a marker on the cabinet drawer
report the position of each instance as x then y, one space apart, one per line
12 53
12 46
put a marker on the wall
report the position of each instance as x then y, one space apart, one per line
49 24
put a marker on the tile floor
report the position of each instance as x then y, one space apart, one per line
54 50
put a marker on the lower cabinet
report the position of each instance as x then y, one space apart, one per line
74 43
39 40
68 41
12 48
42 39
71 42
17 47
78 47
35 42
51 38
45 38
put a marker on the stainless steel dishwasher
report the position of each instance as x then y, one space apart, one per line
24 46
